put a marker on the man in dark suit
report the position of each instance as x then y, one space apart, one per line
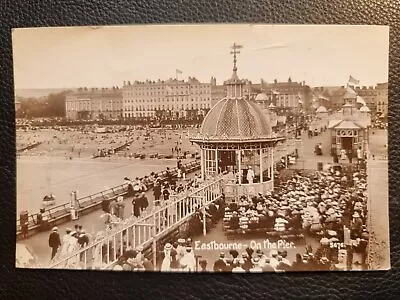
157 193
220 264
54 242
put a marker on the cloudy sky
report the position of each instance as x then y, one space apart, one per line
106 56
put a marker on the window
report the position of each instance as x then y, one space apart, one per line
209 159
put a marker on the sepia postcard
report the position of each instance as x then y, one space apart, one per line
202 148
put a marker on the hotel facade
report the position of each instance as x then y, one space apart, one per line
94 103
171 99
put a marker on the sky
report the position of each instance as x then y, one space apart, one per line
320 55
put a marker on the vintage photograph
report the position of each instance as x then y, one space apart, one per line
202 148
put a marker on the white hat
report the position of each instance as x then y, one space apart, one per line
255 260
273 253
55 228
332 232
118 268
324 241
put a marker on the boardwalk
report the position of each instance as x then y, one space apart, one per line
92 223
379 211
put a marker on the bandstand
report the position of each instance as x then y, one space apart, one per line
236 140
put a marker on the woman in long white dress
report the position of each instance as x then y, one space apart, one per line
97 255
65 243
188 261
166 263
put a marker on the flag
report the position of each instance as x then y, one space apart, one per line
361 101
178 71
353 80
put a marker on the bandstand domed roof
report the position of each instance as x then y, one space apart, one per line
261 97
364 108
321 109
236 118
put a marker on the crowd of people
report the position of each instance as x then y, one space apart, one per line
328 206
178 256
85 141
133 258
114 216
70 242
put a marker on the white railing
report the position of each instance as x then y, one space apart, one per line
143 231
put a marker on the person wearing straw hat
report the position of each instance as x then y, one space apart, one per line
237 266
166 263
54 241
356 225
256 265
181 248
188 261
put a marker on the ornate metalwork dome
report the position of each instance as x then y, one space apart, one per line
236 119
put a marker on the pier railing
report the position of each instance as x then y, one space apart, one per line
56 214
143 232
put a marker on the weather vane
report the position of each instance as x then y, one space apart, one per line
235 51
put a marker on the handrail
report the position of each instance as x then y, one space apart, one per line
176 204
156 217
89 199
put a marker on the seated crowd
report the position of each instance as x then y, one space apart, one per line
330 206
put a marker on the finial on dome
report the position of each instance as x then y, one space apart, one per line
235 51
